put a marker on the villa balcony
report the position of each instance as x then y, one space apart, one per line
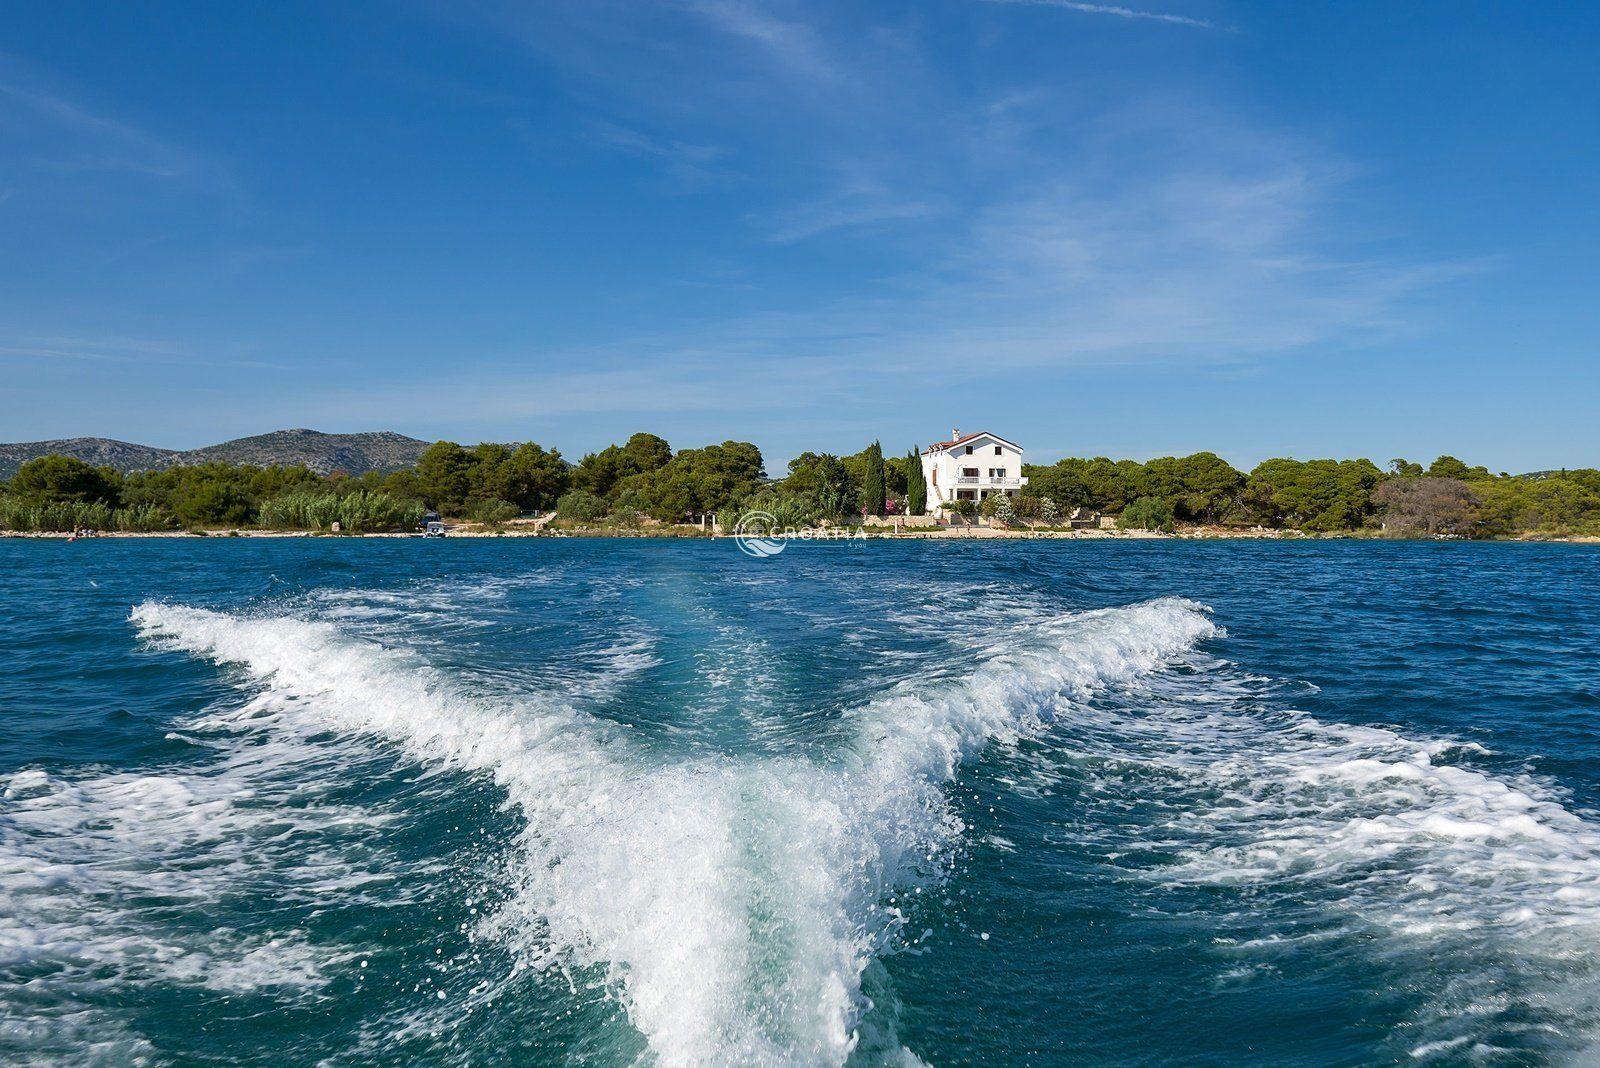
986 481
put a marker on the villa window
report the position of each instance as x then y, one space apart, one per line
969 472
997 451
969 450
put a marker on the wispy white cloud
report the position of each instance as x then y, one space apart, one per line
1016 220
1017 217
1114 10
132 352
634 141
792 43
686 161
53 132
1219 262
84 140
852 207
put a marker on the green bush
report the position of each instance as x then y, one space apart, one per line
790 510
1148 513
581 506
494 512
998 506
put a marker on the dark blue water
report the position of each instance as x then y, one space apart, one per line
326 802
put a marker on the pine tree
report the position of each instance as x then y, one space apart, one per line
916 486
872 492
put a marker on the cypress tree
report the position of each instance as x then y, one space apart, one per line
916 485
872 492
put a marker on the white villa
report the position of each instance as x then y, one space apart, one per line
971 468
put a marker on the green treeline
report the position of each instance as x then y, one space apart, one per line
1447 497
643 478
62 493
489 483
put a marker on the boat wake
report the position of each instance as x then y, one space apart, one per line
732 904
1338 852
736 904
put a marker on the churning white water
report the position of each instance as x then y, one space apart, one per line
732 903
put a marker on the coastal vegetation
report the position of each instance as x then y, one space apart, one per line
359 512
643 481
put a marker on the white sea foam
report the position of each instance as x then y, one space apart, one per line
73 853
108 881
733 904
593 667
45 1036
92 871
1357 844
1448 861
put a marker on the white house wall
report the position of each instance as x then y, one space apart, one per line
949 462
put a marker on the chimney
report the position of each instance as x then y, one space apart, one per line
955 434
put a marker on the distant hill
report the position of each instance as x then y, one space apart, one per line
102 452
355 454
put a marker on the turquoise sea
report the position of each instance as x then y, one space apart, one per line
330 802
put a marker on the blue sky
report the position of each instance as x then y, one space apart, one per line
1308 229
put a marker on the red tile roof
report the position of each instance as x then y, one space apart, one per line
941 446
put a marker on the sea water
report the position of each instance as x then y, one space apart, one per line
527 802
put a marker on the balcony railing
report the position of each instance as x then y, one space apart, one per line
985 480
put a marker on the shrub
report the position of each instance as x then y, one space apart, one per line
796 510
1148 513
1049 511
581 505
1003 510
493 512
